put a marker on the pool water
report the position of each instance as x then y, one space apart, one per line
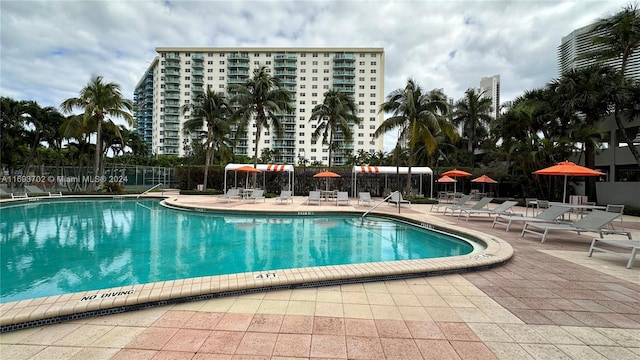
56 247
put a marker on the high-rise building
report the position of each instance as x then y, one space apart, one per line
178 75
578 43
490 89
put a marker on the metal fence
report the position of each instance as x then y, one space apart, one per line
70 179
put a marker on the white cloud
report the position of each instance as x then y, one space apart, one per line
50 49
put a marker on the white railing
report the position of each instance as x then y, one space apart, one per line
146 191
378 204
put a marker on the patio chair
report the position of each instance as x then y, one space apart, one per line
314 197
230 195
285 197
549 215
342 197
34 189
396 199
19 196
55 194
461 201
364 198
596 221
256 195
502 209
619 242
616 209
477 206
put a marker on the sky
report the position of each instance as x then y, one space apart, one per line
49 50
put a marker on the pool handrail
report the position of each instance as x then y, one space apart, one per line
378 204
153 187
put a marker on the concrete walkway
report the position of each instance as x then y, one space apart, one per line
550 301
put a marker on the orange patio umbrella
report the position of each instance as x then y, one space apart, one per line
248 169
566 169
446 179
327 175
456 173
484 179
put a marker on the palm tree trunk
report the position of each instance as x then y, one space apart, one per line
97 154
624 136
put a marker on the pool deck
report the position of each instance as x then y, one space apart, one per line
548 301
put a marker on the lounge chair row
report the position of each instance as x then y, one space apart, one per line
32 190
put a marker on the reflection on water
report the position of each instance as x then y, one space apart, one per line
59 247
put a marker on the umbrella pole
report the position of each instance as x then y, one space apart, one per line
564 195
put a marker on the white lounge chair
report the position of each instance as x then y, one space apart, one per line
19 196
619 242
461 201
502 209
596 221
55 194
314 197
286 196
616 209
230 195
34 189
549 215
364 198
396 198
256 195
481 204
342 197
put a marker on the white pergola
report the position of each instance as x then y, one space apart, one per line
386 170
262 167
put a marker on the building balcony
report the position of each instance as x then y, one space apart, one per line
172 127
197 73
345 57
171 104
235 80
197 57
172 80
285 57
172 65
197 80
285 73
341 65
172 56
197 89
233 65
172 96
172 73
171 134
344 82
344 73
238 56
285 65
238 73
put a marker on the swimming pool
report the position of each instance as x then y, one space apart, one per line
58 247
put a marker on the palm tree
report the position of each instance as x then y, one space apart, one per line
262 99
100 100
618 37
472 113
12 117
210 110
336 115
587 93
418 117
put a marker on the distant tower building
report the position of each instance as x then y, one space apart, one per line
578 43
490 88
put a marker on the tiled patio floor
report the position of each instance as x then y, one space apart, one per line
550 301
